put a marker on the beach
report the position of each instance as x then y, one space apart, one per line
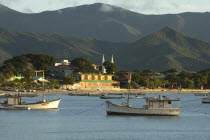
114 92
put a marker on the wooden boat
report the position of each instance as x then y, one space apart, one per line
160 106
156 106
136 97
14 102
111 97
206 99
201 94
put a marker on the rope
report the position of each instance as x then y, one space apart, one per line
191 100
89 109
198 111
194 105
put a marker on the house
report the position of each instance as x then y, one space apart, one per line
61 69
63 62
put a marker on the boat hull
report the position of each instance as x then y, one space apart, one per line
205 100
33 106
102 97
113 109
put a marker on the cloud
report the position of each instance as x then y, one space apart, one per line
27 10
149 4
106 8
141 6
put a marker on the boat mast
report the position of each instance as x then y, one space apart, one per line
43 95
179 90
129 88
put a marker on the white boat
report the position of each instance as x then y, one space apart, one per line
201 94
206 99
110 97
156 106
14 102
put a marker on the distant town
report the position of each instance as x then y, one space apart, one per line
21 73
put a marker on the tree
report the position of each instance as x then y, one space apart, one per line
2 80
53 84
172 78
27 70
187 83
137 78
172 70
25 64
41 61
17 84
8 70
68 80
148 72
185 74
83 65
200 79
29 83
110 67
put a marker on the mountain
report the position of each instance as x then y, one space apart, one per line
105 22
13 43
4 9
160 51
168 48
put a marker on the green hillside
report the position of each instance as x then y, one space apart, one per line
105 22
168 48
13 43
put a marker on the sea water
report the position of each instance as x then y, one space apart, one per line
84 118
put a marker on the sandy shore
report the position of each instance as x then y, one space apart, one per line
121 91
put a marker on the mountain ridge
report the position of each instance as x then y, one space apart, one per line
169 48
106 22
162 50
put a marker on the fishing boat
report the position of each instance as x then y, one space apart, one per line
206 99
156 106
201 94
136 97
15 102
110 97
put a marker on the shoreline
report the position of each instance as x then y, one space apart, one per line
114 92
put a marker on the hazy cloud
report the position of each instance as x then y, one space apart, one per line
141 6
27 10
106 8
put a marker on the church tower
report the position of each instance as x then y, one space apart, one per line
103 60
112 59
103 69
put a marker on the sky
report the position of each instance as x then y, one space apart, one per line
140 6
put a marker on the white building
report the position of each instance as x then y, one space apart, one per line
61 69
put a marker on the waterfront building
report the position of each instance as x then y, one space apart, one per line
97 82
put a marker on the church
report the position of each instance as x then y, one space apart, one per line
101 81
101 68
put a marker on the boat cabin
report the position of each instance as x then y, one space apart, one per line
160 102
16 99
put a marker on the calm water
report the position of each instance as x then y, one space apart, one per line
84 118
